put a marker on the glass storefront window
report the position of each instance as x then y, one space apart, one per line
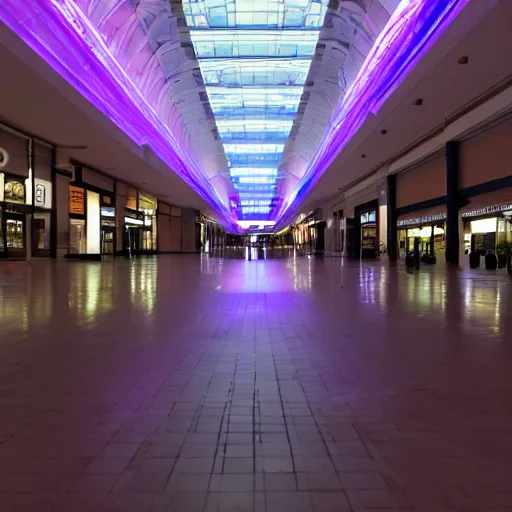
93 223
41 231
14 234
77 236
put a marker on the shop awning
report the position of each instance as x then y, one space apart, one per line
423 216
492 202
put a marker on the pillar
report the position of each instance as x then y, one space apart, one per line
452 202
392 220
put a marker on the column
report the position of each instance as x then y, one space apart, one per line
382 213
452 202
392 220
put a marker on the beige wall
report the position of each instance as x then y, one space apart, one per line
427 181
175 244
188 236
487 156
164 233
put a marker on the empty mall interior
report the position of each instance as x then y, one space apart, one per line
255 256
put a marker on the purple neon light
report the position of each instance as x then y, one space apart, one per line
62 33
411 31
64 37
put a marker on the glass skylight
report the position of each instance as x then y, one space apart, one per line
254 57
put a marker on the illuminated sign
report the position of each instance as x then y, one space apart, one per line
422 220
14 192
76 200
40 190
108 212
369 217
487 210
135 222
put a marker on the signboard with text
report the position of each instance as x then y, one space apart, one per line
76 200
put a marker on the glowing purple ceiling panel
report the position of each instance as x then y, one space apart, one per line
134 61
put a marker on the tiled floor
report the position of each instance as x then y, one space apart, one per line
189 384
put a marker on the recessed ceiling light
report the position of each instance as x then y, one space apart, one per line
363 156
384 132
418 102
463 60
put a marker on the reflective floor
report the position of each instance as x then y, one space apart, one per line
191 384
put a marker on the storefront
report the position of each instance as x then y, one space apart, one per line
41 189
488 229
108 227
15 214
424 231
140 225
309 233
91 216
366 231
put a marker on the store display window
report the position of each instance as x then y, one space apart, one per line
77 237
369 240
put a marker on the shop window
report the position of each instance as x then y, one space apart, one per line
77 237
41 231
14 234
369 237
93 223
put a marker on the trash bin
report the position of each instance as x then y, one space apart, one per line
491 261
474 259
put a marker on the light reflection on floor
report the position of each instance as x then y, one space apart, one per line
415 368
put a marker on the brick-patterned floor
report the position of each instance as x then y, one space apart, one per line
189 384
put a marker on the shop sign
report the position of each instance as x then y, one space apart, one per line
369 217
488 210
131 200
76 200
40 194
135 222
422 220
146 202
14 192
108 212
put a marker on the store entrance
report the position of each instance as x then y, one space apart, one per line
15 236
108 234
132 240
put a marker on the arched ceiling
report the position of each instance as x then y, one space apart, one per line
248 101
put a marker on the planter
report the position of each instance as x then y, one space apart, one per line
502 260
474 259
491 262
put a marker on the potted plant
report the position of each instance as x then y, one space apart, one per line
503 253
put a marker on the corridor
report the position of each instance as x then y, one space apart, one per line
195 384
